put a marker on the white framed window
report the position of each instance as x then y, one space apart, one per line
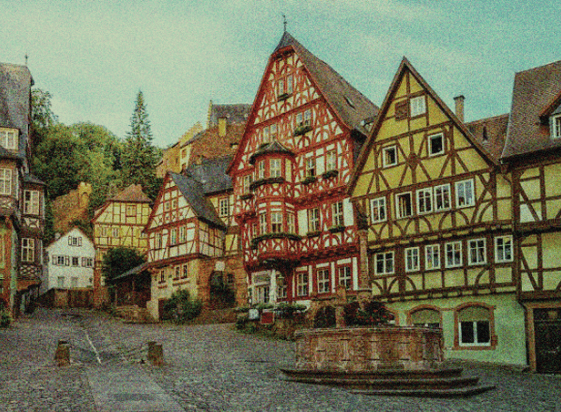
276 222
275 168
331 160
310 166
59 260
477 252
266 135
224 207
75 261
345 277
337 210
403 205
324 282
74 241
302 284
27 250
261 169
158 240
130 210
436 144
8 139
87 262
417 106
31 202
384 263
262 223
247 181
115 232
5 181
185 271
378 211
313 220
424 200
182 234
291 222
412 259
465 194
389 156
474 326
453 254
289 85
556 126
173 236
503 249
432 257
177 272
442 197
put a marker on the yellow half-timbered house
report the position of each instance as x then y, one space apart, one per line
437 222
119 223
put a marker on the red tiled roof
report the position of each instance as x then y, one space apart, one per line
133 193
490 133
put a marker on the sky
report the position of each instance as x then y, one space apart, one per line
94 56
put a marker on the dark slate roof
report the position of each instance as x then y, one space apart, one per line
28 178
534 92
132 272
490 133
15 86
350 104
193 191
211 174
235 113
273 147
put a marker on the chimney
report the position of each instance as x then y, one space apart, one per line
222 122
459 100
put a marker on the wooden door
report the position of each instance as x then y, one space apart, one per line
547 326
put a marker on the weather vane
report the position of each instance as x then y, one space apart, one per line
26 57
284 21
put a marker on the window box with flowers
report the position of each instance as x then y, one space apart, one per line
267 181
336 229
283 96
280 235
302 129
309 180
314 233
330 174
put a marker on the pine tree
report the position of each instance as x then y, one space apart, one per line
139 156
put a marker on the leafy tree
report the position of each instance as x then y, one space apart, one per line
139 156
120 260
42 116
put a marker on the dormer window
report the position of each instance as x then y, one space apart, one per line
556 126
8 139
285 87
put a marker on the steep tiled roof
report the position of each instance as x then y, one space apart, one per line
234 113
351 105
490 133
534 91
193 191
133 193
211 173
15 84
210 144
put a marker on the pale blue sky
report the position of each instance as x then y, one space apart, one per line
94 56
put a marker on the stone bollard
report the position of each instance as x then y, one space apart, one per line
155 353
62 354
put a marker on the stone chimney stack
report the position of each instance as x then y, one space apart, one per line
222 123
459 100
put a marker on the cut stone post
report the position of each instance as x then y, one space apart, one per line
155 353
62 354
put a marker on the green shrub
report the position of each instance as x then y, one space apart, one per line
325 317
241 322
5 319
181 308
373 314
286 310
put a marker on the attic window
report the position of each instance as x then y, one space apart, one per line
8 139
417 106
556 126
350 102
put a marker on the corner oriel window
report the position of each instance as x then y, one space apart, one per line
31 202
275 168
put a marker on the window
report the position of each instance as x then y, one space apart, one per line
417 106
442 197
115 232
384 263
302 284
262 223
285 85
426 318
261 169
75 241
465 193
75 261
556 126
411 259
436 144
247 181
310 166
378 210
313 220
424 200
453 254
323 281
404 208
158 241
131 210
273 131
177 272
474 326
337 209
389 156
345 277
282 290
331 160
266 135
162 276
173 236
185 271
291 223
304 118
182 234
224 207
432 257
27 250
8 139
503 249
275 168
276 222
477 252
262 294
103 230
5 181
31 202
87 262
59 260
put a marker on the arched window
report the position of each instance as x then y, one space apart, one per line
475 326
428 318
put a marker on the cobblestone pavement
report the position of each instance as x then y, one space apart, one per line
208 368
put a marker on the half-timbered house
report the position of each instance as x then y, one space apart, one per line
533 155
438 222
21 194
193 238
290 175
119 223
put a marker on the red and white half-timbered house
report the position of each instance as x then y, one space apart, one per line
290 174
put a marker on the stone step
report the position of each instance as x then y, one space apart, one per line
378 374
428 393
